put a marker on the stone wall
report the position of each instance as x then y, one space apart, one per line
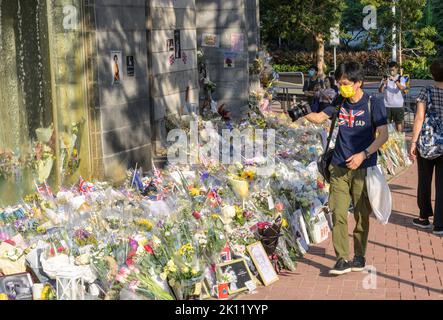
169 76
124 108
224 18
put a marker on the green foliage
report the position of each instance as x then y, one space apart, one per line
298 19
417 40
417 68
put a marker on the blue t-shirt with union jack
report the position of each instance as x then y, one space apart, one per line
356 129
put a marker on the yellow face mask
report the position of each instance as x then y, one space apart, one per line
347 91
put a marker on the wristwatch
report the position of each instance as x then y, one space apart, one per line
367 154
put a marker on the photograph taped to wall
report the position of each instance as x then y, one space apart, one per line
17 286
229 60
210 40
130 66
116 66
170 45
177 44
237 42
262 263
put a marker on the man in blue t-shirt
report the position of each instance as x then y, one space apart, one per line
360 119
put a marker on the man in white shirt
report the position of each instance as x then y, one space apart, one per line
392 86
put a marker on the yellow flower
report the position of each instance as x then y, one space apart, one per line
185 269
284 223
3 296
145 223
194 272
172 282
41 229
194 192
215 216
249 175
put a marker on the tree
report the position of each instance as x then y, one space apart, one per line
436 18
292 19
414 40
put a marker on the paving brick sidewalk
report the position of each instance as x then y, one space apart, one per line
409 262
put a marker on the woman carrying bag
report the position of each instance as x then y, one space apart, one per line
427 149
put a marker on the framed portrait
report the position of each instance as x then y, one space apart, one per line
239 273
17 286
262 263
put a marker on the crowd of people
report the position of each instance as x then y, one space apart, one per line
363 129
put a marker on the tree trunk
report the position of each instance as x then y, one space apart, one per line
320 53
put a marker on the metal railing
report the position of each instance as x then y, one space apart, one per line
292 74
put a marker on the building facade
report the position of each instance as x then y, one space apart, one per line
90 83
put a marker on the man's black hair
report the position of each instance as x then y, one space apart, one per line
393 64
351 70
437 69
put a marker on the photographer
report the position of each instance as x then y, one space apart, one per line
355 150
393 86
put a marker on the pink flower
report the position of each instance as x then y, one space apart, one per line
133 244
134 269
120 278
134 285
279 206
124 272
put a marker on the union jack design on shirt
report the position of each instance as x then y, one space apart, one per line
348 118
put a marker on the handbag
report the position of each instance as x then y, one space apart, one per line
325 159
430 142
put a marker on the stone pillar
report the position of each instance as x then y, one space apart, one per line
226 18
124 116
171 74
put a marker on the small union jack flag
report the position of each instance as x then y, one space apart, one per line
348 118
44 189
158 176
84 186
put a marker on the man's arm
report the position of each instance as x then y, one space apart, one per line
382 87
317 118
400 84
356 160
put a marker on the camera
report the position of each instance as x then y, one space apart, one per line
299 111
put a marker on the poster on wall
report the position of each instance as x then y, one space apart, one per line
237 42
130 66
178 44
229 60
116 66
210 40
170 45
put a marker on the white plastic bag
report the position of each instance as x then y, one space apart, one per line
379 194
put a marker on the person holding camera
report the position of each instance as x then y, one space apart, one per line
362 131
393 86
